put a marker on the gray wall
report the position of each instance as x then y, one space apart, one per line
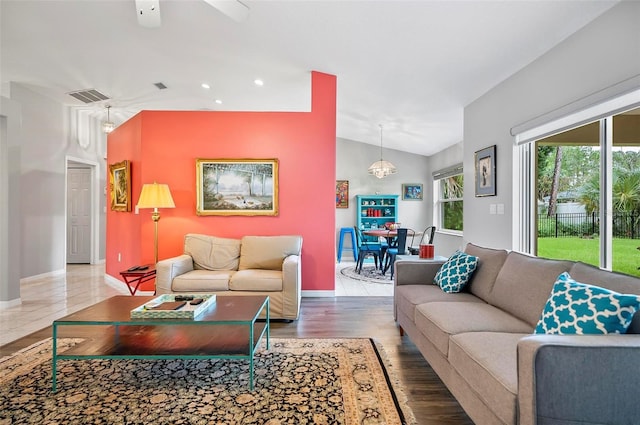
603 53
353 160
9 201
49 136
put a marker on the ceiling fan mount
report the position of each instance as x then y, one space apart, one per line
148 11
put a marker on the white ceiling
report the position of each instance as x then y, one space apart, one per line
411 66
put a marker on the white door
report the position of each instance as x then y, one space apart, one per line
79 215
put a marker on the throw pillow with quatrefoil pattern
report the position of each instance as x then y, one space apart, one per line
456 272
579 308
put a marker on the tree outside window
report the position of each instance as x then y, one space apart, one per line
450 202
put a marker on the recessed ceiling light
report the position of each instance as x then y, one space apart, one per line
218 101
258 82
206 86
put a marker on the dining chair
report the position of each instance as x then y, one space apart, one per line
410 234
386 242
393 252
431 231
367 249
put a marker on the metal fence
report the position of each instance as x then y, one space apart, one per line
625 225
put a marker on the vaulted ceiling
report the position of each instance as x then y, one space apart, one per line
411 66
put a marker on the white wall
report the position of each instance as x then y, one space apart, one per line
46 142
603 53
353 160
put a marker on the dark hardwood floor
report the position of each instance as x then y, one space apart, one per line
349 317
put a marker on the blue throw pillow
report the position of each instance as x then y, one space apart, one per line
579 308
456 272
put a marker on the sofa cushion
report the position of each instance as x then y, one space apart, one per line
202 281
268 252
488 363
456 272
578 308
490 262
256 280
407 297
439 320
618 282
211 252
524 283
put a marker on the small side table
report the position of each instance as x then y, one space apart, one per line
137 277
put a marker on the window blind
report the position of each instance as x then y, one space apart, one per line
612 100
448 172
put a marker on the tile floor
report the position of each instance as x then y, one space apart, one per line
48 298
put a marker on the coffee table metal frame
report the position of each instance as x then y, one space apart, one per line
231 331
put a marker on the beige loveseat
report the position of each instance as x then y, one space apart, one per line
481 344
253 265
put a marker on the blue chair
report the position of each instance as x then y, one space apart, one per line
344 231
398 249
367 249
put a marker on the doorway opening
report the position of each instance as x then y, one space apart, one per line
82 211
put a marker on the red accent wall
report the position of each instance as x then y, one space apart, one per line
163 146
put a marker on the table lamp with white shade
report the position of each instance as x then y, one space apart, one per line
155 196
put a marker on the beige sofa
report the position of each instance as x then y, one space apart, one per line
253 265
481 344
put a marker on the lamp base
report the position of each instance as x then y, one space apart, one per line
155 216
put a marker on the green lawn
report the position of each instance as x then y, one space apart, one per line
626 256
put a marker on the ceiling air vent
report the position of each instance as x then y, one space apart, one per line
160 86
88 96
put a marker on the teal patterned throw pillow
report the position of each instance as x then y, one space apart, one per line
579 308
456 272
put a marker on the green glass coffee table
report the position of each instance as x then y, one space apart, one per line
228 329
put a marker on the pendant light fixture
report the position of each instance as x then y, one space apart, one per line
108 125
382 168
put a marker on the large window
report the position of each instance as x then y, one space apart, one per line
584 201
448 185
570 175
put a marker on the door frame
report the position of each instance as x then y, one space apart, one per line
94 205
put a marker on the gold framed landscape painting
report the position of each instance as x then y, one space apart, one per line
237 186
120 184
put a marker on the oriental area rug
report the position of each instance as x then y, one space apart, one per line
297 381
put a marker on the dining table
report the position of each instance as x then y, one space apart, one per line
381 233
389 234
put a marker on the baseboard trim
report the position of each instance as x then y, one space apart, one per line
116 284
54 273
11 303
318 294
